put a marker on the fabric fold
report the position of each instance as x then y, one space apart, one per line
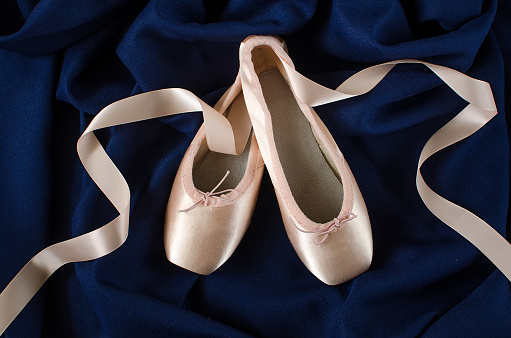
220 136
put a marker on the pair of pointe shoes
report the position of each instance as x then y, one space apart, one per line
214 194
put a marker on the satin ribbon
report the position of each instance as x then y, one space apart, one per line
481 109
98 243
222 137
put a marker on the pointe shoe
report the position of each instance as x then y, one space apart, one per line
213 195
323 211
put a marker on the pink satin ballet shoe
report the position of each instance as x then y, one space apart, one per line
322 208
213 195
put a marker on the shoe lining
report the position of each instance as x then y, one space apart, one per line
209 167
314 186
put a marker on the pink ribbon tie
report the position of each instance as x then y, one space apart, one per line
330 227
212 193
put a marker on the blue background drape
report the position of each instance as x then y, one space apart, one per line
61 62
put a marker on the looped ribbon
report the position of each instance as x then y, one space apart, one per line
330 227
100 242
213 193
480 110
221 137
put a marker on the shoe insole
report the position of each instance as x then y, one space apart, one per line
210 167
315 187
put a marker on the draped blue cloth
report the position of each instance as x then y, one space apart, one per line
61 62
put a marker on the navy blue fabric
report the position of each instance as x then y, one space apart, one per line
61 62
